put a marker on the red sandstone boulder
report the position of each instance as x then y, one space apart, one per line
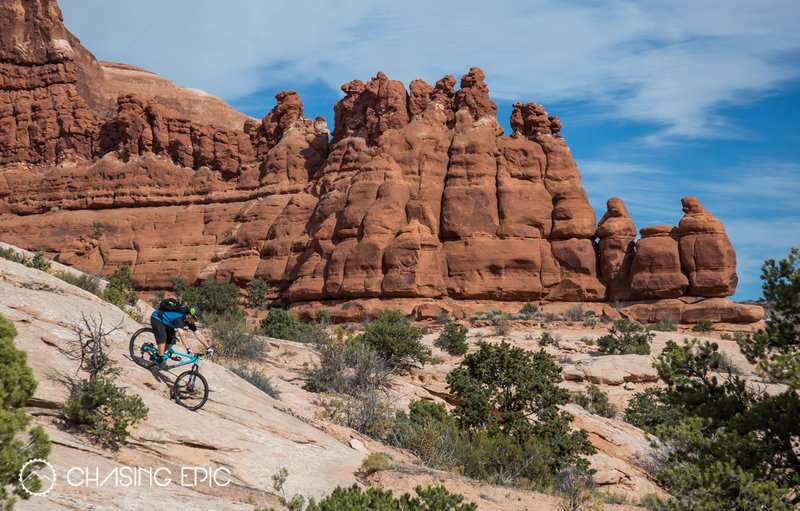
706 253
617 234
656 270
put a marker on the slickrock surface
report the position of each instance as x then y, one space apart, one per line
415 195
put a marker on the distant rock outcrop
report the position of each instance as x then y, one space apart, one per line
415 194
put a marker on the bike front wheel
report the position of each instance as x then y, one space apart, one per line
143 347
190 390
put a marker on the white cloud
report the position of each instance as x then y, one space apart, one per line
673 62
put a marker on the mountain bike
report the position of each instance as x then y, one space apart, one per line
190 389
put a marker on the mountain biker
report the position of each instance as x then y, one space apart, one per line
165 323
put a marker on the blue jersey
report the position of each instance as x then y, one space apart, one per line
173 319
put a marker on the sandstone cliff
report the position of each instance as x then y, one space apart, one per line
416 194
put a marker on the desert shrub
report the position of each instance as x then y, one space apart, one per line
551 317
158 297
577 490
212 296
529 309
443 318
591 322
501 459
595 401
377 499
428 432
664 324
626 337
232 338
84 281
322 317
453 339
726 336
257 379
376 462
119 290
256 294
17 386
392 335
102 408
547 338
647 410
368 411
38 261
575 313
703 325
503 326
507 390
280 324
347 366
97 404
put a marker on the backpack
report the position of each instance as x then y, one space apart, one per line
171 305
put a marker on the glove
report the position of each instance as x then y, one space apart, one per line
209 351
189 352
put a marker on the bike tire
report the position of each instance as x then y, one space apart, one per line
188 392
141 338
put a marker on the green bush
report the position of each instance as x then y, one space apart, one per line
392 335
428 432
444 318
119 290
232 338
17 386
703 325
376 462
256 378
592 321
726 336
96 404
664 324
626 337
281 324
347 366
507 390
256 294
84 281
529 309
38 260
547 338
157 298
504 460
575 313
104 409
453 339
212 296
647 410
376 499
595 401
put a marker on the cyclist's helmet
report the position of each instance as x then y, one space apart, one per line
194 311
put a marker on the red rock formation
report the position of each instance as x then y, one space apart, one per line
417 195
656 270
706 253
617 234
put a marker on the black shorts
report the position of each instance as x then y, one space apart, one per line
162 332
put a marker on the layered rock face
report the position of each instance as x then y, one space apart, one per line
416 194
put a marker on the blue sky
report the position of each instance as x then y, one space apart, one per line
660 99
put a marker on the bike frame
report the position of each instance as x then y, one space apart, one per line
171 353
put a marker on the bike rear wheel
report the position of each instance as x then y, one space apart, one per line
143 347
190 390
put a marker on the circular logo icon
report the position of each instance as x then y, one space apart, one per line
33 473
